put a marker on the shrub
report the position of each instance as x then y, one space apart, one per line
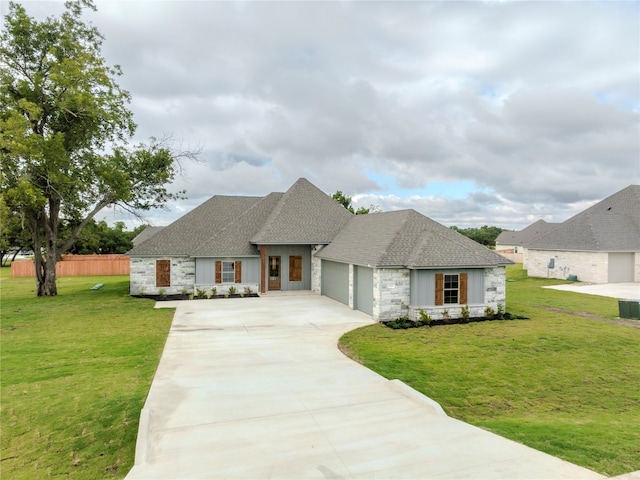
401 323
248 291
446 315
489 312
214 291
500 312
232 290
425 318
201 293
465 314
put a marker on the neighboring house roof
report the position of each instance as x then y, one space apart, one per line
406 238
145 234
232 225
612 225
527 234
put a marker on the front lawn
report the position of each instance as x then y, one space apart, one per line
76 370
566 381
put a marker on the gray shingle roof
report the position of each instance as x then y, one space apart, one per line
527 234
231 226
196 227
304 215
612 225
406 238
145 234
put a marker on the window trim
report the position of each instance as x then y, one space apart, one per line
452 291
226 273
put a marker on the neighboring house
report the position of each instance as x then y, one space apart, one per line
384 264
599 245
514 242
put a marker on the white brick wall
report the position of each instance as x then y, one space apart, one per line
587 266
316 270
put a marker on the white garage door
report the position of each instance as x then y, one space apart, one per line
621 267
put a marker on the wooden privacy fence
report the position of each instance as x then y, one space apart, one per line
78 265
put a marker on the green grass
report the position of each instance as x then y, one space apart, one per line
564 383
76 370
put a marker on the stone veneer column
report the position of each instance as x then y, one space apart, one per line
316 270
391 293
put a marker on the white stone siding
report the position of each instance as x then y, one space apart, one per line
587 266
143 276
453 311
316 270
636 268
391 293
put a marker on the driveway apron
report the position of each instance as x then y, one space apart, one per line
256 388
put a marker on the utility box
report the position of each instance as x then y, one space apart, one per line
629 309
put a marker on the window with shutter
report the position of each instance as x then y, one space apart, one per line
238 275
228 272
295 268
163 273
463 288
218 272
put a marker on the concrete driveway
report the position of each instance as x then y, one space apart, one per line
615 290
256 388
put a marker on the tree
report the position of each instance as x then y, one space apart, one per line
64 128
484 235
345 201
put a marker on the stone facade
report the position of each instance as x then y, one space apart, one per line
143 276
586 266
391 293
316 270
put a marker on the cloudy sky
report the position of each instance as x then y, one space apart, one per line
473 113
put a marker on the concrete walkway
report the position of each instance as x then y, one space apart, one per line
615 290
255 388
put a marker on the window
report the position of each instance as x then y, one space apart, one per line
228 272
451 288
295 268
163 273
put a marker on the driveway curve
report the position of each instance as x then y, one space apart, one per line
256 388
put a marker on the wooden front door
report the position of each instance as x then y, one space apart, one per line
275 270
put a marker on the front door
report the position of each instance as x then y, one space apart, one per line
274 273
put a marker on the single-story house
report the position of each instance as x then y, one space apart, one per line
388 264
514 242
600 244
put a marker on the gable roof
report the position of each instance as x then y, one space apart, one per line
406 238
304 215
233 225
145 234
612 225
525 235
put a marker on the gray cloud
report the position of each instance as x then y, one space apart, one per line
536 104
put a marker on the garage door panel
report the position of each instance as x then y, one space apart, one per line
335 281
621 267
364 289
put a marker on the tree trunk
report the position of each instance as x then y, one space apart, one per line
45 268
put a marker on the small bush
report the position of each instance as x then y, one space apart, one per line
446 315
201 293
500 312
465 314
402 323
490 313
248 291
425 318
214 291
232 290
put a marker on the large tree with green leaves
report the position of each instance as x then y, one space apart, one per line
64 128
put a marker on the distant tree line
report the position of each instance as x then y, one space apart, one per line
96 237
346 202
484 235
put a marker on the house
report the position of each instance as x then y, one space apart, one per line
385 264
600 244
514 242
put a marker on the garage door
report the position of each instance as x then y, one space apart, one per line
364 289
335 281
620 267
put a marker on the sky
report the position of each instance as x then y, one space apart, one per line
472 113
